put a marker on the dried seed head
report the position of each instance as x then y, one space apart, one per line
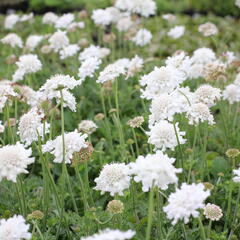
208 186
38 215
136 122
115 207
232 152
99 117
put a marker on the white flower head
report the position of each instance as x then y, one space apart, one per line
87 126
11 20
236 178
14 228
142 37
58 40
14 160
6 92
94 51
163 136
176 32
64 21
102 17
49 18
33 41
208 29
74 142
231 93
185 202
69 51
154 170
13 40
114 178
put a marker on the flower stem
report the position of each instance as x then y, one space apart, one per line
150 213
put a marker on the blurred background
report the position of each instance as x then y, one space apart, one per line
218 7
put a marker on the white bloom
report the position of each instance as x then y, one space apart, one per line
31 126
207 94
75 25
142 38
231 93
203 56
14 228
237 3
58 40
110 72
74 142
28 95
208 29
33 41
49 18
109 234
161 80
69 51
154 170
162 135
101 17
228 56
185 202
88 67
13 40
11 20
199 112
115 13
1 127
236 178
135 65
176 32
114 178
27 17
64 21
169 17
6 92
237 80
94 51
124 24
87 126
14 160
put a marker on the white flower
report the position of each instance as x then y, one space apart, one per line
87 126
94 51
229 57
203 55
110 72
135 65
75 25
69 51
154 170
199 112
162 135
207 94
176 32
31 126
169 17
142 38
11 20
1 127
49 18
212 212
124 24
237 3
236 178
6 92
33 41
64 21
114 178
14 160
28 95
161 80
27 17
58 40
88 67
185 202
231 93
13 40
208 29
109 234
14 228
74 142
101 17
237 80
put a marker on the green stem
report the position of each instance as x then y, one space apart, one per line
202 231
150 214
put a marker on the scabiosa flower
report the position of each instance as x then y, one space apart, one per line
101 17
110 73
154 170
115 207
162 135
176 32
74 142
124 24
6 92
33 41
109 234
212 212
207 94
87 126
49 18
185 202
13 40
169 17
142 38
135 65
203 55
114 178
208 29
213 70
69 51
14 228
231 93
58 40
88 67
31 126
94 51
14 160
64 21
27 17
11 20
136 122
236 178
232 152
199 112
27 95
237 3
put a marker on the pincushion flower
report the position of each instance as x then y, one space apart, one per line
87 126
94 51
231 93
142 37
109 234
114 178
69 51
74 142
58 40
6 92
176 32
154 170
212 212
101 17
208 29
124 24
162 135
185 202
11 20
1 127
33 41
14 160
134 66
14 228
236 178
31 126
49 18
13 40
64 21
